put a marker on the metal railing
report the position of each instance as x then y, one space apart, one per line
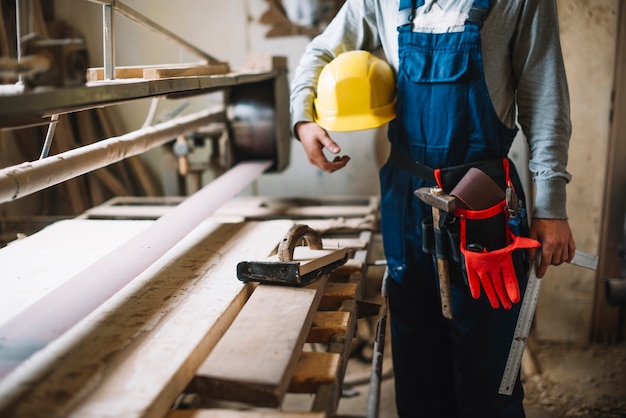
109 8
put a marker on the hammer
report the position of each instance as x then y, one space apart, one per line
440 201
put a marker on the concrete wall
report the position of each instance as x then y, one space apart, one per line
230 30
588 36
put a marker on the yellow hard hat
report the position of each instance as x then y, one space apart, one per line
355 91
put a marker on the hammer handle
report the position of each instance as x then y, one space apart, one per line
444 288
444 275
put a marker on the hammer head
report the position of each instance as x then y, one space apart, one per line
436 198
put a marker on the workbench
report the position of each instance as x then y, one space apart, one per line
186 338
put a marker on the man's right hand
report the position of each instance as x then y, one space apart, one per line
314 139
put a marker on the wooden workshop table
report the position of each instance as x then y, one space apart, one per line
186 338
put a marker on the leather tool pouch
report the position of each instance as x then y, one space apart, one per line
480 224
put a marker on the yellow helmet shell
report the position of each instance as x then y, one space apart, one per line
355 91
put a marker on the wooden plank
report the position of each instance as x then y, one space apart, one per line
185 71
256 207
134 207
328 395
314 368
351 243
336 293
127 212
144 201
351 266
254 361
327 324
253 209
97 73
160 70
230 413
135 354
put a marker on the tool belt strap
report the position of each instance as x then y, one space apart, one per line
449 176
414 168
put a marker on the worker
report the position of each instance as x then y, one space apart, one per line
466 71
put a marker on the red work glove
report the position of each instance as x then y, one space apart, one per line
495 271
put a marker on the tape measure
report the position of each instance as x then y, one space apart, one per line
525 319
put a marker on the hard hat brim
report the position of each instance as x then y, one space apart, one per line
348 123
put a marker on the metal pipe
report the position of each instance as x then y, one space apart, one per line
24 22
137 17
108 41
57 312
376 377
49 136
30 177
24 26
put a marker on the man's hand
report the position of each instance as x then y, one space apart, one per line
314 139
557 242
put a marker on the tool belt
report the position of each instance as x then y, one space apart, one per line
483 236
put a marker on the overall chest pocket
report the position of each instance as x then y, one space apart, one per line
434 67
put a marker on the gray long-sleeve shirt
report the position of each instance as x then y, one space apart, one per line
523 68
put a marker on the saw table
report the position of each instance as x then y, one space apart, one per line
186 338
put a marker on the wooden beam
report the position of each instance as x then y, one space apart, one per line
336 293
255 359
326 324
313 369
160 71
328 395
186 71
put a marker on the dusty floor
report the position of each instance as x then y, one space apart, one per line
578 381
573 381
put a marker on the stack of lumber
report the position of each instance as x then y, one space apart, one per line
186 338
286 340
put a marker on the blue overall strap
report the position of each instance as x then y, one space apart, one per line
409 4
407 11
478 12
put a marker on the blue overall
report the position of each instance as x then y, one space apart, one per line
445 117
